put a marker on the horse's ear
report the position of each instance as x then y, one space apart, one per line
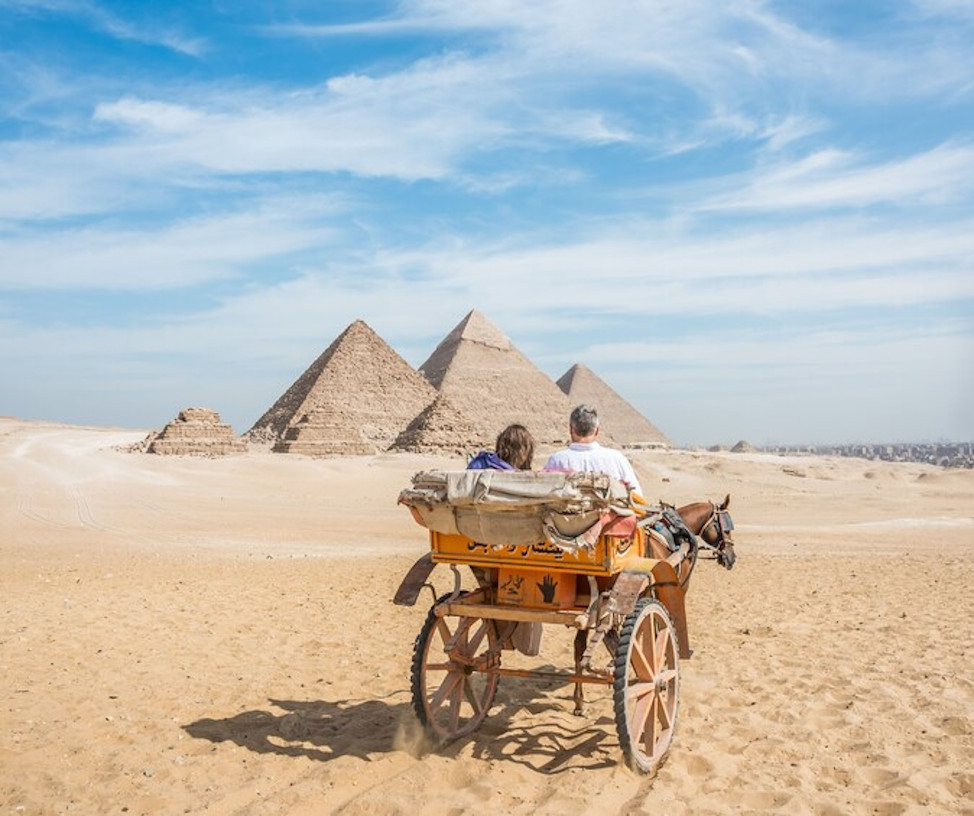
726 503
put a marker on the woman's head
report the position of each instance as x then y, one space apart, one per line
515 445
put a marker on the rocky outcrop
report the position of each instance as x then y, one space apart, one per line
196 432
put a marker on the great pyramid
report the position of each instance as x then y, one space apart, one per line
617 417
482 374
354 399
440 428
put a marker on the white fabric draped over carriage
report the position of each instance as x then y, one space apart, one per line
503 508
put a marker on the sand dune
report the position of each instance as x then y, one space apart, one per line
215 636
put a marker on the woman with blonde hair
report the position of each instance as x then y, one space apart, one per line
514 450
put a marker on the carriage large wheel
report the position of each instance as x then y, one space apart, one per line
646 693
451 691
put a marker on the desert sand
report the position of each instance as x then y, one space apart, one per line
193 635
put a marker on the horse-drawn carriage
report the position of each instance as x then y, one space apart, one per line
579 550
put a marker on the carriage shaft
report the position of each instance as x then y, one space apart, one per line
565 677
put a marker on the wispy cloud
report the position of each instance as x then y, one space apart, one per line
725 52
830 179
111 24
179 255
409 125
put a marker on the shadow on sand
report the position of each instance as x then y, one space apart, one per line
531 734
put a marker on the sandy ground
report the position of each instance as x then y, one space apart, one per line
216 636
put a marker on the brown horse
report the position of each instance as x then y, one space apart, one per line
706 520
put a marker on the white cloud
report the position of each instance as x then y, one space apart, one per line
828 179
102 19
183 254
951 9
162 117
727 52
412 125
646 268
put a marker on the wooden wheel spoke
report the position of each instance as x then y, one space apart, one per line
474 642
640 716
667 676
446 687
644 670
439 667
665 715
471 694
651 734
443 629
662 642
637 691
456 697
459 640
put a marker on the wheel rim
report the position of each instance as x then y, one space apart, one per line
647 686
452 692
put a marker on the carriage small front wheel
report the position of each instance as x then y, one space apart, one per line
646 691
452 689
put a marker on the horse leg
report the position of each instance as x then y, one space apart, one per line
581 641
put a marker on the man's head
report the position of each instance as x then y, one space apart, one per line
584 423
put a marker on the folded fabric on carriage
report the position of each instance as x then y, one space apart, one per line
504 508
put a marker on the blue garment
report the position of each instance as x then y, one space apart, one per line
488 460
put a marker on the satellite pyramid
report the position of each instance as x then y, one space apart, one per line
195 432
617 417
440 428
354 399
482 374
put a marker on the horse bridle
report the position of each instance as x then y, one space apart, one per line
724 524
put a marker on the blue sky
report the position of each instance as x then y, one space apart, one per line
753 219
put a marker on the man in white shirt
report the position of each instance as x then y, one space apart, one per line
585 454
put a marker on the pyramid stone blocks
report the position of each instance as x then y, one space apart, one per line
483 375
354 399
440 428
196 432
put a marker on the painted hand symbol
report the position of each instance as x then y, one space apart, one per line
548 588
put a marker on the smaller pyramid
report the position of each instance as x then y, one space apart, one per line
617 417
196 432
354 399
743 447
440 428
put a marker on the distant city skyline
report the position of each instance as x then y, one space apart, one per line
754 220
